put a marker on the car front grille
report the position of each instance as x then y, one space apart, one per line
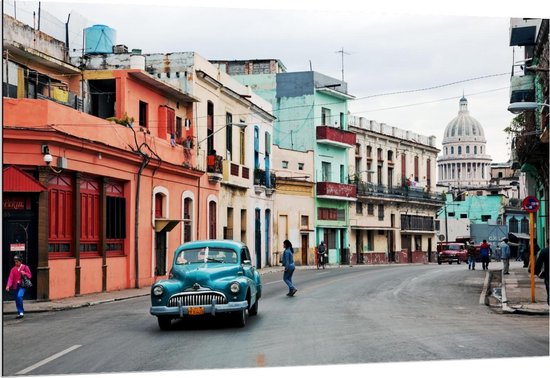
196 299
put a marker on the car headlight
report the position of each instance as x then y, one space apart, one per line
235 287
158 290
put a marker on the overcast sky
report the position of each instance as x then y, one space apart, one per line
394 47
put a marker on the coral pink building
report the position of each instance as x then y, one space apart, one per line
121 191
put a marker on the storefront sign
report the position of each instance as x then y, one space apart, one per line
17 247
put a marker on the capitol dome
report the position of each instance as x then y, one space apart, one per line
464 161
464 125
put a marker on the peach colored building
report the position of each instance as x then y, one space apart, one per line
121 190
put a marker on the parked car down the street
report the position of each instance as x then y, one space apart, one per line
451 252
208 277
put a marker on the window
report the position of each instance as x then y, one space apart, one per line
229 134
485 218
241 145
326 176
285 164
60 195
370 209
460 150
416 175
475 149
325 116
305 221
452 150
342 123
359 207
116 218
300 166
210 128
369 152
89 215
187 219
325 213
212 220
380 212
467 149
463 216
179 130
525 225
171 123
228 230
513 225
143 114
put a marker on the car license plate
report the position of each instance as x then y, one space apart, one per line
196 310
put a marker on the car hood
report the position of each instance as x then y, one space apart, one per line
206 273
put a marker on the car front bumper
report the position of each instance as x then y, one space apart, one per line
212 309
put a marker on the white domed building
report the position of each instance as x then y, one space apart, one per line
464 162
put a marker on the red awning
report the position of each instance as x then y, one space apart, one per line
15 180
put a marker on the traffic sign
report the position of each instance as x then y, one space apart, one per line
530 204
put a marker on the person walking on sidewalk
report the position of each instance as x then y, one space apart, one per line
541 266
505 255
484 251
288 263
14 284
471 256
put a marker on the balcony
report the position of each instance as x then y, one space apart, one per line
523 32
236 175
335 190
264 181
522 88
214 168
404 193
336 137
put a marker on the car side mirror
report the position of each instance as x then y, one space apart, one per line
247 262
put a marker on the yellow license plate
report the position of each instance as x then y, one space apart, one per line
196 311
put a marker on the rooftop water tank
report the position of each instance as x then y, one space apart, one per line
99 39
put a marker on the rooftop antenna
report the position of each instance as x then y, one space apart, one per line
342 52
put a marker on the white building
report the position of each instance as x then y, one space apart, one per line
464 162
394 217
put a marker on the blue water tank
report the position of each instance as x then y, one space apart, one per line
99 39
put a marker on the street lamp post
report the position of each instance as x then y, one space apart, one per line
520 107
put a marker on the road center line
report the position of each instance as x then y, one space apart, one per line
47 360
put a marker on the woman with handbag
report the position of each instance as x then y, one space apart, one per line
19 281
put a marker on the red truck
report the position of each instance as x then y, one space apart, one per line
451 252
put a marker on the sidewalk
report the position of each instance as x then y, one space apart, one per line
34 306
516 290
515 294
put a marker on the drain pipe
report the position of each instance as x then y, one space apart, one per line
144 163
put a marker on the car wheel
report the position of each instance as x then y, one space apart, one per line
252 311
240 318
165 322
439 262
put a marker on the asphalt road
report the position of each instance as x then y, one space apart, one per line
347 315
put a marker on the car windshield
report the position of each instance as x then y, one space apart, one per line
454 247
206 254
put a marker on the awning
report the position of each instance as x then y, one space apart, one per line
166 224
520 235
16 180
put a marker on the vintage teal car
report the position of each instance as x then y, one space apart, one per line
208 277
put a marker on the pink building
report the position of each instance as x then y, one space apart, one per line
121 191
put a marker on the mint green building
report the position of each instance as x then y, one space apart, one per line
311 116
